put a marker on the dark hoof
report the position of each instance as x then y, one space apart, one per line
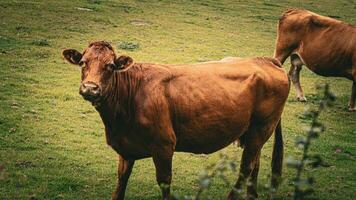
232 196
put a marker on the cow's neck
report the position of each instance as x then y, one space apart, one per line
118 106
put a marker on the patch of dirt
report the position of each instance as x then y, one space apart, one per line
139 23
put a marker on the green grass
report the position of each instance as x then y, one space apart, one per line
52 143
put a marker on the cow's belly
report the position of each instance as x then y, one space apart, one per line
206 144
329 70
129 148
204 135
326 60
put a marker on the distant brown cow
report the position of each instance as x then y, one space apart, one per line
152 110
325 45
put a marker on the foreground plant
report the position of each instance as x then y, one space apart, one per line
217 170
303 186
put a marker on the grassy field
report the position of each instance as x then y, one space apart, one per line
52 143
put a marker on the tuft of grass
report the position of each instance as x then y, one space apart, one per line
271 4
130 46
129 9
22 29
40 42
94 1
7 42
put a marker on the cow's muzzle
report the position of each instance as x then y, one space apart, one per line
90 91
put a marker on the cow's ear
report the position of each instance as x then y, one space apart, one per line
72 56
123 62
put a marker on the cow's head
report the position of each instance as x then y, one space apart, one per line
98 63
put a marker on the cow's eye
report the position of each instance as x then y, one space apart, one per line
111 66
82 63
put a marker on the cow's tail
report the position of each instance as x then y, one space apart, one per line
277 156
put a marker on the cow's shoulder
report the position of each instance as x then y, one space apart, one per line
268 61
272 70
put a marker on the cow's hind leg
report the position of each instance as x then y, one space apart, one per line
252 185
352 105
124 172
248 169
254 139
294 74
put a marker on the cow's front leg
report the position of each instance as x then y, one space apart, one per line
352 105
162 158
123 172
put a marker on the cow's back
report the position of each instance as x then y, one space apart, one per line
327 46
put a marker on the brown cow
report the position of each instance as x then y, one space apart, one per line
152 110
325 45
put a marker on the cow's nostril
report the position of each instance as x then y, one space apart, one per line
91 86
89 90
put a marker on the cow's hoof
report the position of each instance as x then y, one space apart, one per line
352 109
302 99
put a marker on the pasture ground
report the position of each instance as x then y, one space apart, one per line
52 143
